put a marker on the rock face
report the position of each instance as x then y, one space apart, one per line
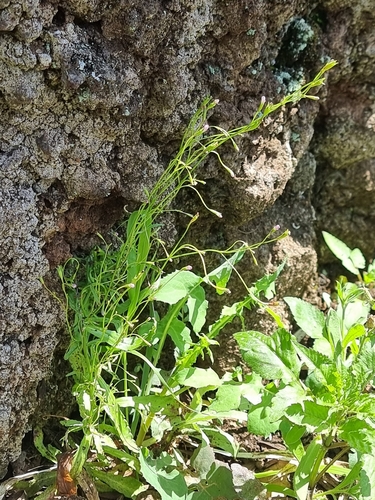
94 97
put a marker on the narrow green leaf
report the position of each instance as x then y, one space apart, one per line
197 307
301 477
277 488
50 453
152 403
292 435
80 457
128 486
333 322
122 455
121 425
307 317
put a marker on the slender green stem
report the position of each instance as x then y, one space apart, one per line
334 459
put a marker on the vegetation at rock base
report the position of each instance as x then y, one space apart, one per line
144 426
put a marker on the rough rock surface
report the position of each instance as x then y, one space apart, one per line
94 97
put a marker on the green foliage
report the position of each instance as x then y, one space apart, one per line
125 303
321 392
352 260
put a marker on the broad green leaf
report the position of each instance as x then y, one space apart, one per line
198 377
341 251
292 435
323 346
307 317
357 258
314 453
247 487
355 332
310 415
266 284
348 264
323 373
197 308
271 357
152 403
176 286
253 388
220 276
359 434
163 476
322 385
356 312
367 477
222 440
217 484
203 457
229 395
284 398
259 420
128 486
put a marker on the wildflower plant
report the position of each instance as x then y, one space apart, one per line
122 305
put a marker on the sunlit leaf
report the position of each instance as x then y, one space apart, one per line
302 475
198 377
307 317
162 476
271 357
176 286
197 308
